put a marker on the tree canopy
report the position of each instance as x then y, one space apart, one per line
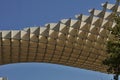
113 48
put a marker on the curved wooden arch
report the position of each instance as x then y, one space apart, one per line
79 43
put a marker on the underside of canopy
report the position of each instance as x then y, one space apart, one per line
76 42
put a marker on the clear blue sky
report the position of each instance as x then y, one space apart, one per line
17 14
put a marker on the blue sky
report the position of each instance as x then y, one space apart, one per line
18 14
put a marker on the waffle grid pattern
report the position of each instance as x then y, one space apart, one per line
76 42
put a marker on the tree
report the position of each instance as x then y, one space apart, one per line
113 49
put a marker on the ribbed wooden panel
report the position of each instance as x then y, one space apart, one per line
73 42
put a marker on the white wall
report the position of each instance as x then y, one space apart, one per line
1 78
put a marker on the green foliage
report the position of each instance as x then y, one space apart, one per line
113 48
